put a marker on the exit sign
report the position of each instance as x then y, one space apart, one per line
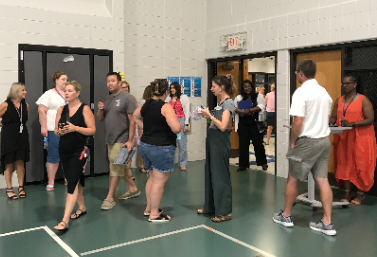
233 42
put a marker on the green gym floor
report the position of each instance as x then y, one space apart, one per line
26 226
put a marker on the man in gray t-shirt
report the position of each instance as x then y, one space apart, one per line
117 111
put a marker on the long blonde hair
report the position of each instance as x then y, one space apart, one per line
14 88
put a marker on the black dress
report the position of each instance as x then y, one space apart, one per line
70 148
14 145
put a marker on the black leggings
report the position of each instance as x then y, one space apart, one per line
247 133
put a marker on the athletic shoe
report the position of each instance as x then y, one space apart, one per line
321 227
285 221
108 204
129 194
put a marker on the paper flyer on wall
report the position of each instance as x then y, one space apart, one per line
124 157
185 83
196 86
173 79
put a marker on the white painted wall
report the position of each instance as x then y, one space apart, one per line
279 25
33 22
167 38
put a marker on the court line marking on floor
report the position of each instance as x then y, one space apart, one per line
50 233
140 240
238 241
21 231
60 242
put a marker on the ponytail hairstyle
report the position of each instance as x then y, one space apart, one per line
159 87
228 82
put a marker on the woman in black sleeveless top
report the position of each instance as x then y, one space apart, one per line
74 124
14 138
157 146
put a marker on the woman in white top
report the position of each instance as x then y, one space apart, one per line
181 106
48 105
246 125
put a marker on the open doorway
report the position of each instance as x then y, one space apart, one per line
260 69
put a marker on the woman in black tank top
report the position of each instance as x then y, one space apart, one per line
74 124
157 146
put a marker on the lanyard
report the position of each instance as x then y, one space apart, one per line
57 91
344 104
19 112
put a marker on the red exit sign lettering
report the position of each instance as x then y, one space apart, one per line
233 41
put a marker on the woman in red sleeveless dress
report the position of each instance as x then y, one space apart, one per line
354 149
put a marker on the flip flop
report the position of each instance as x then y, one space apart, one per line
78 215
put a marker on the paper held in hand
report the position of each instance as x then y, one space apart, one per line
123 156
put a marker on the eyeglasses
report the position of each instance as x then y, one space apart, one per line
297 71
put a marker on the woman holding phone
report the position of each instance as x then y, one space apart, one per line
74 124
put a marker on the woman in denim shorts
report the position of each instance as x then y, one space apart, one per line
157 146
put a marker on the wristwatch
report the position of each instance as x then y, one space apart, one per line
211 117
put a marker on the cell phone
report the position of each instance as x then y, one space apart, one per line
61 125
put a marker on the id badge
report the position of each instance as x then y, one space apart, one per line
179 136
21 128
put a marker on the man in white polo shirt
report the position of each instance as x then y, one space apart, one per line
309 146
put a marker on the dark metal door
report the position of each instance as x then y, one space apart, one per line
77 69
35 168
101 68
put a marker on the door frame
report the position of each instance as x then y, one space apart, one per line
344 48
212 72
45 49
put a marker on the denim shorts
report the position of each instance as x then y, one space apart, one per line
159 158
53 148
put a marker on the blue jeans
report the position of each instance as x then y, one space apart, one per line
159 158
182 145
53 148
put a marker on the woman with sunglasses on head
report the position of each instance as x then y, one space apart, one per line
218 188
354 149
157 146
246 119
181 106
74 124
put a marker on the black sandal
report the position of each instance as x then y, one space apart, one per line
148 213
78 215
221 218
143 170
161 218
265 167
63 229
12 197
21 195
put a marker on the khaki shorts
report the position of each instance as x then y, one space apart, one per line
116 170
309 155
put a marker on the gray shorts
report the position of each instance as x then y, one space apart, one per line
309 155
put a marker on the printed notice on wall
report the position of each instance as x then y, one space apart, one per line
196 86
185 83
173 79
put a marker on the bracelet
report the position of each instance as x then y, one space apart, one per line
57 132
211 117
